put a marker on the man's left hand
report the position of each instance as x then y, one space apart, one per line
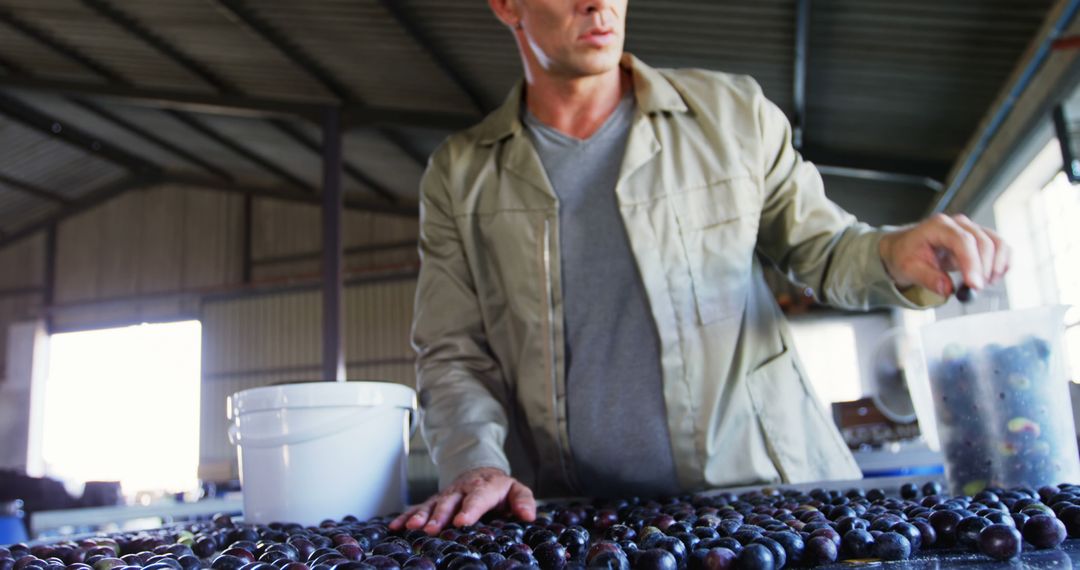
923 254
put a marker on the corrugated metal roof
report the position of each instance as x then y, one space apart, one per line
18 208
362 45
474 41
207 34
888 83
754 37
183 136
383 162
261 138
30 54
910 79
64 109
76 25
50 163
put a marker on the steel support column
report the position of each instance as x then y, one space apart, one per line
802 46
48 285
1064 136
333 361
246 254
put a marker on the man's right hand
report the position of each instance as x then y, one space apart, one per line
472 494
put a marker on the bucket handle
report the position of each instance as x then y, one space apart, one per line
326 429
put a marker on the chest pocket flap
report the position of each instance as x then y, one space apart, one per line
718 228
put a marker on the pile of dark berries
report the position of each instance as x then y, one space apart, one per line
764 529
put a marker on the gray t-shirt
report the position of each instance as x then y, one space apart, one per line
616 416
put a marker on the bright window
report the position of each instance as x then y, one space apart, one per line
123 405
1038 216
828 351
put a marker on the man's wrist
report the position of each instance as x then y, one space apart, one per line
885 245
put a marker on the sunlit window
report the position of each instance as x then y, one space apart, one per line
123 405
828 352
1038 216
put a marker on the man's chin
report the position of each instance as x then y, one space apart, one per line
594 64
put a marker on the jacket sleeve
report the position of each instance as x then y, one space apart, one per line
812 239
458 378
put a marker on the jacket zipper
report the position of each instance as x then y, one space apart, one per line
551 341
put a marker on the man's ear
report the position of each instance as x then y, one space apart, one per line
507 11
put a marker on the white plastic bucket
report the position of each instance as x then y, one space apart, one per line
322 450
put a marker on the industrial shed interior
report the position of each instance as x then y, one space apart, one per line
174 160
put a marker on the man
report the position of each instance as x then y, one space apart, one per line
591 308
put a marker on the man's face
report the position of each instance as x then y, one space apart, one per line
573 38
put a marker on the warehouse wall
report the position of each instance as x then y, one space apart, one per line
175 252
22 273
286 241
268 339
124 261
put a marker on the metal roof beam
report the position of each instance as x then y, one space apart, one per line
223 85
353 172
881 176
404 19
67 51
50 127
131 127
105 72
135 28
239 11
241 105
293 195
33 190
802 47
212 134
96 109
921 168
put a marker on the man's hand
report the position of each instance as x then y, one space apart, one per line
924 253
474 493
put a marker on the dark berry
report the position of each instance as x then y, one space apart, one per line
967 531
1044 531
1000 541
892 546
857 543
656 559
755 556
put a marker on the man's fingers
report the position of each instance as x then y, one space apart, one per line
929 276
413 518
1002 256
418 518
521 501
444 509
983 242
399 521
479 501
962 249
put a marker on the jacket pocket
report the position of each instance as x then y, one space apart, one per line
718 229
802 440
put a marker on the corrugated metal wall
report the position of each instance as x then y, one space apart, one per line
177 252
22 272
275 338
120 263
286 241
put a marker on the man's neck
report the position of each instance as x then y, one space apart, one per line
577 107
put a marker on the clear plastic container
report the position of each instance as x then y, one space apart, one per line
1001 399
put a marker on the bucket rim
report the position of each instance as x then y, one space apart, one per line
367 393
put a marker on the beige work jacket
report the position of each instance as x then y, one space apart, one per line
710 186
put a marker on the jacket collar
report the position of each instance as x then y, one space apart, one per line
652 91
